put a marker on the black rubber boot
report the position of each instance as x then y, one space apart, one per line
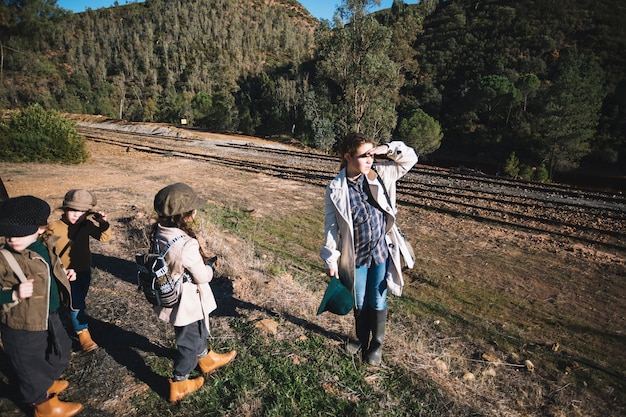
362 328
378 322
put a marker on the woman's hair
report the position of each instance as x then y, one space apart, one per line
179 221
350 143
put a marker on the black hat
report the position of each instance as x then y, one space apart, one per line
176 199
23 216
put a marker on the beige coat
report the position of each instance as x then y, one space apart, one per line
338 251
196 297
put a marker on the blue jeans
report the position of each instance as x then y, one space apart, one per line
80 287
370 287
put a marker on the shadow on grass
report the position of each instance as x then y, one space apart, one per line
125 348
123 269
227 306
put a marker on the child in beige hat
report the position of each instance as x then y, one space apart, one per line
77 224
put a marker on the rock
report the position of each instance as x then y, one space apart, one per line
441 365
267 326
490 357
469 376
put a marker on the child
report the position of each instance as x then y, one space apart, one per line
76 225
176 207
33 336
362 245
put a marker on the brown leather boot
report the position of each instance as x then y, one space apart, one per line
180 389
53 407
213 361
57 386
86 343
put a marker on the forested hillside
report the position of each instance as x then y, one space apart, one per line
509 86
542 79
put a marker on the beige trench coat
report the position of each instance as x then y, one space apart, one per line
338 250
196 297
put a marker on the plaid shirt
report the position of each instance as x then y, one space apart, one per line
368 222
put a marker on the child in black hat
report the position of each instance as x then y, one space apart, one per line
78 223
33 285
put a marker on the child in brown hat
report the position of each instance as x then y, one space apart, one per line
176 207
33 285
78 222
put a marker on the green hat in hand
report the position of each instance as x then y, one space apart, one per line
337 299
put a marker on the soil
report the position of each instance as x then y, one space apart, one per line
107 380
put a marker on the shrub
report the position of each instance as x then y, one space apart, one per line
38 135
526 172
511 166
541 174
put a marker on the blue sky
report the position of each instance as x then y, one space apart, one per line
322 9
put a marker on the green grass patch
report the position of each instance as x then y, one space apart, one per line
293 241
485 314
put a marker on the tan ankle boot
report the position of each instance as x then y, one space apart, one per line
180 389
213 361
86 343
57 386
54 407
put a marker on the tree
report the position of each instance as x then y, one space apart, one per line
421 131
570 112
26 28
364 81
201 108
528 84
498 95
223 115
317 112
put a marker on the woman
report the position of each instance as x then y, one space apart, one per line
362 245
176 207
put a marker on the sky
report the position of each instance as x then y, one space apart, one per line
322 9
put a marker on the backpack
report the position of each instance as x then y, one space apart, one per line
154 278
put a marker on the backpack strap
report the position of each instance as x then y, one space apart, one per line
168 246
70 242
14 265
185 275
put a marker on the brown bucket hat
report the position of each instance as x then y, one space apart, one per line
79 200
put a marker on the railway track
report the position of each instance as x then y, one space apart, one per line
592 217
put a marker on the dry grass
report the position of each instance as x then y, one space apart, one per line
481 302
